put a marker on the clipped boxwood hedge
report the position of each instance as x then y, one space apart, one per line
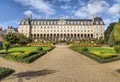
97 58
5 72
33 57
27 59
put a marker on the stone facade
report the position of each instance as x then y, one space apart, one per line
62 29
10 29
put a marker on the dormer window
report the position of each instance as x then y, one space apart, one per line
101 22
96 22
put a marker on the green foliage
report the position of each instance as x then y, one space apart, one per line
108 32
25 58
85 49
5 72
111 40
101 55
112 34
27 54
23 54
11 38
6 46
17 39
39 48
33 57
117 49
116 34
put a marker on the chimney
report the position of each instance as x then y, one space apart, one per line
30 16
93 17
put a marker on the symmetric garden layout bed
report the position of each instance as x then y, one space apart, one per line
99 54
24 54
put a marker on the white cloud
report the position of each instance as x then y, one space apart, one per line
28 12
64 0
114 10
97 7
40 5
65 7
82 12
94 7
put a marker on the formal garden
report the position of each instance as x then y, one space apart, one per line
19 48
96 50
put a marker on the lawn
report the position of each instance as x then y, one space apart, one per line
25 49
99 54
24 54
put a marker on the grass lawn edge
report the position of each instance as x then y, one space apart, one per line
96 58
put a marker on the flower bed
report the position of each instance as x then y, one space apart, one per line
86 44
40 44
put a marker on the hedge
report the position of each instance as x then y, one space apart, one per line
33 57
27 59
97 58
5 72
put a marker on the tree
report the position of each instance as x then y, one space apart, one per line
111 40
108 32
6 46
11 38
116 33
23 39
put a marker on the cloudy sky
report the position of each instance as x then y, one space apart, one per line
12 11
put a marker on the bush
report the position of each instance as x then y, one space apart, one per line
39 48
85 49
33 57
117 49
23 54
93 56
5 72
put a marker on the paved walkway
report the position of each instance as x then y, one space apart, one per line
62 65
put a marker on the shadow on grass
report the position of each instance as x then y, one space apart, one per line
31 74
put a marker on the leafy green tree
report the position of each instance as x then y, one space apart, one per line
111 40
11 38
116 33
23 39
108 32
6 46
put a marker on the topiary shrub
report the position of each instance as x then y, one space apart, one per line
85 49
39 48
117 49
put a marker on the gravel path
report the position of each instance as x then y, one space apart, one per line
62 65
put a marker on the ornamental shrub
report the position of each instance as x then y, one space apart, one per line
117 49
85 49
39 48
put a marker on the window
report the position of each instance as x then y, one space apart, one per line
81 23
96 22
101 22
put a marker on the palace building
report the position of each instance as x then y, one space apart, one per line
62 29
